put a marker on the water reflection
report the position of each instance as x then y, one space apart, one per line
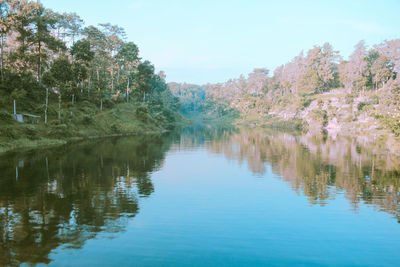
68 195
320 167
65 196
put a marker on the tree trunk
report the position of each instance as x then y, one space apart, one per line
101 105
118 76
112 79
59 107
88 88
47 104
39 66
127 92
1 57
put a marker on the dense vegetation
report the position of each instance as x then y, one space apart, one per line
317 86
81 80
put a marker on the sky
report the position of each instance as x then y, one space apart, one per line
212 41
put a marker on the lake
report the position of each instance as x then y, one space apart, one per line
202 196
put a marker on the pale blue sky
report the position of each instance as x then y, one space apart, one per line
212 41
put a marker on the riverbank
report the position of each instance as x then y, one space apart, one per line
367 116
81 122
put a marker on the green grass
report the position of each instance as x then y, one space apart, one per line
79 121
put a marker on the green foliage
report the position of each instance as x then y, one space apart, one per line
60 130
5 116
115 128
374 99
108 103
288 125
361 105
18 94
9 132
325 118
142 112
310 82
392 123
87 120
81 51
322 116
31 132
80 86
305 102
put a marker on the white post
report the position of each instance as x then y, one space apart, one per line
15 109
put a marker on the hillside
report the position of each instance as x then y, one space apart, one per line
317 92
71 82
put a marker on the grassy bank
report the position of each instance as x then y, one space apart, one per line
82 120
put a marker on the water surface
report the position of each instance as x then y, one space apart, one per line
202 197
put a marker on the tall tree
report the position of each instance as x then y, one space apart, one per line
143 77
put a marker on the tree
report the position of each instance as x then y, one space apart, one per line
113 43
60 76
41 39
354 73
81 58
381 70
128 58
145 72
257 81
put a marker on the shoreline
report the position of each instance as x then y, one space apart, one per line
50 143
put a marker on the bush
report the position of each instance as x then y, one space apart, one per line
5 116
325 119
115 128
142 112
87 119
392 124
54 122
108 103
305 102
374 100
361 105
31 132
59 131
8 132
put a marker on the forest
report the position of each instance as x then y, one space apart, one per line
317 90
81 80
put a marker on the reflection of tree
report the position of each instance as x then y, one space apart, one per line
67 195
320 167
198 135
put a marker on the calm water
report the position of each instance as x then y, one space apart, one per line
202 197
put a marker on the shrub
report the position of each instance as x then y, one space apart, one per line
374 100
87 119
108 103
142 112
115 128
392 124
8 132
59 131
325 119
361 105
349 99
54 122
305 102
5 116
31 132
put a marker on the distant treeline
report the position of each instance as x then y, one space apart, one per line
319 70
